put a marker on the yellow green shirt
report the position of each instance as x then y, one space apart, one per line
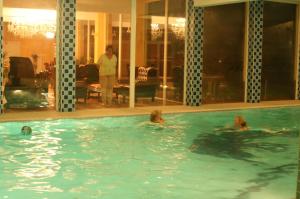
107 66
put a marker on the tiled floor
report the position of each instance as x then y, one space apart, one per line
124 111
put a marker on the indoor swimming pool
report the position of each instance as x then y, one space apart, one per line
192 156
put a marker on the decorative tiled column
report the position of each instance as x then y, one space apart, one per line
195 22
255 44
66 19
189 50
1 58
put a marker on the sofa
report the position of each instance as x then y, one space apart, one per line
144 88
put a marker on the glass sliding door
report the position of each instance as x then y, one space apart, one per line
122 35
150 52
86 42
175 51
278 81
224 30
160 52
29 55
98 26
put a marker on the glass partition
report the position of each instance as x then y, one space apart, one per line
176 46
153 65
278 82
224 28
29 55
85 41
122 35
150 52
102 80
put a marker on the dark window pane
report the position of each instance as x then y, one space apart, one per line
278 51
223 53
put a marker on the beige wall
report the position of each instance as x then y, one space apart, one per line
103 33
80 47
103 36
109 29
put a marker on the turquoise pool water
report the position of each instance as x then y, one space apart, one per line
125 157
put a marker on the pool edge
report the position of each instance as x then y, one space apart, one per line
121 112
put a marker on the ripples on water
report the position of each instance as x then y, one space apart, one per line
241 144
30 159
100 157
35 162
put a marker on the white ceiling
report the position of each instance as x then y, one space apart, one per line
110 6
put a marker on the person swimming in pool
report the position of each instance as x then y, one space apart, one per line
155 117
26 130
240 123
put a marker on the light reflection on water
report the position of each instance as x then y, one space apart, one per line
132 159
31 160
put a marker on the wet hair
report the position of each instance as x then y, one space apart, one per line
26 130
153 115
243 124
109 47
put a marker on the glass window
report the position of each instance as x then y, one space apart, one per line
85 39
29 55
224 53
102 80
176 47
278 81
150 53
151 46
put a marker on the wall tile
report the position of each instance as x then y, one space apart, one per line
66 59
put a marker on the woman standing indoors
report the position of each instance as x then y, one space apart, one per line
107 74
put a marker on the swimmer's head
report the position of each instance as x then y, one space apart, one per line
239 122
243 124
155 117
26 130
237 119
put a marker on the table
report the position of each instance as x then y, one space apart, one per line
118 89
94 88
